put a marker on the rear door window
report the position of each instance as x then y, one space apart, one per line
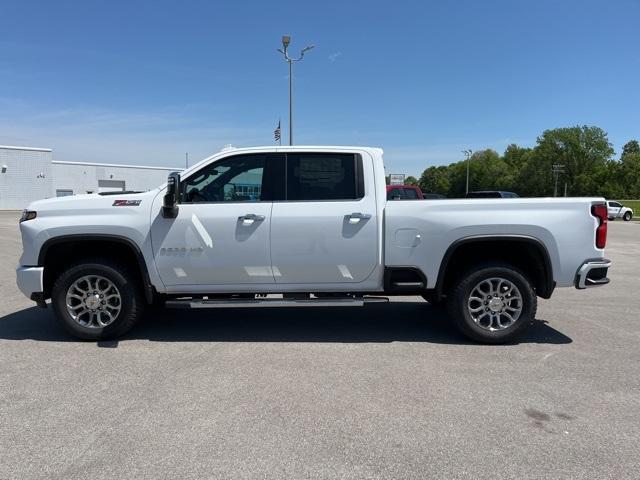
322 176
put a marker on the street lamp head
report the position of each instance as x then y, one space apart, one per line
307 48
286 40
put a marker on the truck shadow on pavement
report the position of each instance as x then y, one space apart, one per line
383 323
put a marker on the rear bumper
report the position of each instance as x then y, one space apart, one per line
593 273
29 280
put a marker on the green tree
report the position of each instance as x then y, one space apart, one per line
435 180
489 171
584 152
411 180
632 147
629 175
516 157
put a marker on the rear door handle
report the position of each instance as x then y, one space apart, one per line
250 218
357 216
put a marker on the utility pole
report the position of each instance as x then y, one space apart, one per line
186 160
468 154
286 40
557 169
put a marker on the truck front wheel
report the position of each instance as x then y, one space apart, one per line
97 299
492 303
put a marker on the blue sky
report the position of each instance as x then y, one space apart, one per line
144 82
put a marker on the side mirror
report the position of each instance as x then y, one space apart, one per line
170 202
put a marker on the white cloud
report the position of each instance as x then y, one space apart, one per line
334 56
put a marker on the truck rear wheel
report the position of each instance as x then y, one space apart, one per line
97 300
492 303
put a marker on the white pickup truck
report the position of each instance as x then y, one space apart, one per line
303 226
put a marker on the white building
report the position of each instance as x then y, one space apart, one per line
28 174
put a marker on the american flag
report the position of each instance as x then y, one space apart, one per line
277 133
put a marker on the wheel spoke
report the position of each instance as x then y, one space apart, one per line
87 294
495 303
100 321
508 315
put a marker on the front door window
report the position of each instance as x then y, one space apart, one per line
238 179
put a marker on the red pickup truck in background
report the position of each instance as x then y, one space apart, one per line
409 192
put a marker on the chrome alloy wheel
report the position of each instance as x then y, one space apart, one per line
93 301
495 304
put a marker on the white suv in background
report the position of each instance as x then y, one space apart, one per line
617 210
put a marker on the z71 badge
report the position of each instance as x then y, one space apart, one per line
126 203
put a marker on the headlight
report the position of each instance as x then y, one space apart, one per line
28 215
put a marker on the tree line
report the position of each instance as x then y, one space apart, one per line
583 158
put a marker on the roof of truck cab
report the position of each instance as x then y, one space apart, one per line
285 148
229 150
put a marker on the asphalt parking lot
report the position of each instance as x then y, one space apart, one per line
387 391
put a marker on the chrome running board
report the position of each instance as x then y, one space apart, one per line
274 302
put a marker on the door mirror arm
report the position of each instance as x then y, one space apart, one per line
170 201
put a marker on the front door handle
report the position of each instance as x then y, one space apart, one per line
357 216
250 218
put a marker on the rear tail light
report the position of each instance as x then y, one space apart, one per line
600 212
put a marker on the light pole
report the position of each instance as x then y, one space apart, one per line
468 154
286 40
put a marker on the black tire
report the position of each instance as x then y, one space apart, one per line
627 216
457 303
131 304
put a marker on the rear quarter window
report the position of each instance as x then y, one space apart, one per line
411 194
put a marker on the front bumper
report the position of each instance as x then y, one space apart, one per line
29 280
593 273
